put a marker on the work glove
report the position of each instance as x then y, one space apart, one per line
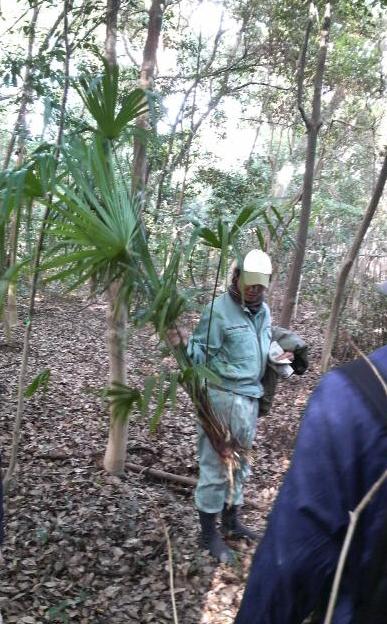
300 363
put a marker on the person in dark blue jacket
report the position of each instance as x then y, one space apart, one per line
341 451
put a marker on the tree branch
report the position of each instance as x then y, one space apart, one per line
262 84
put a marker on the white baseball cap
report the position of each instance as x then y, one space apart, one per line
256 268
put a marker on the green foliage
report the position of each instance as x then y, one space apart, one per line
355 61
58 613
100 97
164 304
123 399
40 382
158 391
95 220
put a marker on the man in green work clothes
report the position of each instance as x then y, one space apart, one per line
233 339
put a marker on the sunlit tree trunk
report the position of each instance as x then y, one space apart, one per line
313 125
347 265
115 454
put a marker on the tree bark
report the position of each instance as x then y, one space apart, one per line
112 9
347 265
139 173
115 454
313 125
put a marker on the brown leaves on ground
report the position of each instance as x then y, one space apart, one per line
85 547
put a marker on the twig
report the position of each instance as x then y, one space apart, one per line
170 559
170 565
353 518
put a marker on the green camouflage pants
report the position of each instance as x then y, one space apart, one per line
213 488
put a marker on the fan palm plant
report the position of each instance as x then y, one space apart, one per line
96 222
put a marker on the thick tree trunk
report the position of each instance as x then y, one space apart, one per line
347 265
313 125
148 66
112 8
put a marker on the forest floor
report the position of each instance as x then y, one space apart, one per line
85 547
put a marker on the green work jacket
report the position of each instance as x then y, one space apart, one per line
238 345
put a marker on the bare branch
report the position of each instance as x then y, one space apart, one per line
77 42
128 52
262 84
46 40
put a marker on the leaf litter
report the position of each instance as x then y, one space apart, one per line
86 547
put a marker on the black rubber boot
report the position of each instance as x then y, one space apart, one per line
232 527
212 540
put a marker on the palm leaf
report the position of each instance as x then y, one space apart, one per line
100 97
244 217
96 220
133 105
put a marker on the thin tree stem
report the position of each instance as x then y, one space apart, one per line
171 581
31 307
353 519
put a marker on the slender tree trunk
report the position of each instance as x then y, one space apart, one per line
26 91
18 134
35 275
11 311
147 74
347 265
112 9
115 453
313 125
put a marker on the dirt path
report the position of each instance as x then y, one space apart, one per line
88 548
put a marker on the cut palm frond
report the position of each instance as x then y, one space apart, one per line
164 307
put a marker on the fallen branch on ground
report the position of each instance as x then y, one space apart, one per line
142 470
